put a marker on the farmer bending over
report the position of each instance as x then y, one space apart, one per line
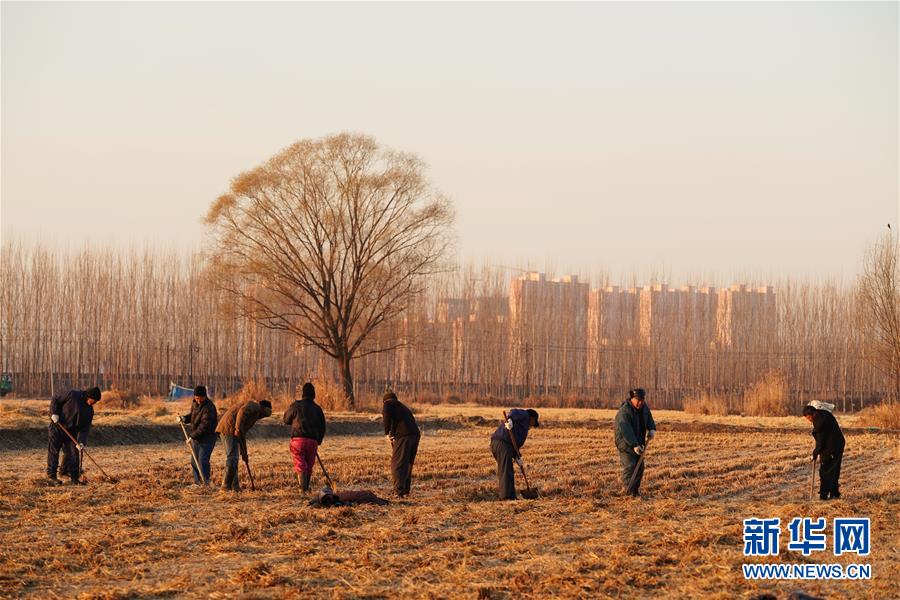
74 410
233 428
403 434
829 447
518 423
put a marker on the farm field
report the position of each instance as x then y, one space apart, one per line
153 535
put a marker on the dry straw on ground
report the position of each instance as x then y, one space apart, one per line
153 535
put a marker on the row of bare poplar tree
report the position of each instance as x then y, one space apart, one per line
141 319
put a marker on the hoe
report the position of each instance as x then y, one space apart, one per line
85 452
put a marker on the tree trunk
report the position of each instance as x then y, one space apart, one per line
347 379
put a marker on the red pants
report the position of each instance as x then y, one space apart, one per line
303 450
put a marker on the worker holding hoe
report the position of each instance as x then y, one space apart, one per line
829 447
403 434
307 423
70 415
506 450
233 427
634 428
202 437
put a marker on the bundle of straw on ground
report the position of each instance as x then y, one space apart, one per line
154 535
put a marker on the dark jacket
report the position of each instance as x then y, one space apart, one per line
828 435
74 413
240 417
203 419
632 426
306 420
398 419
521 424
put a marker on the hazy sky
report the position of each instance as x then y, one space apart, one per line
696 139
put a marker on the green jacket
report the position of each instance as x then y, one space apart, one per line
632 426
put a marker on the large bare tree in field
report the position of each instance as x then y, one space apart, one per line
328 240
879 308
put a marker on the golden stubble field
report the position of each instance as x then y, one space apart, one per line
153 535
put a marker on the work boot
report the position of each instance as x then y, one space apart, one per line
304 481
52 480
74 481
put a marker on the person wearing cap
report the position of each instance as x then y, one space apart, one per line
403 433
233 427
203 419
634 428
518 423
307 423
829 447
73 410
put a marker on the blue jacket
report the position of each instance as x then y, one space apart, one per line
521 424
74 413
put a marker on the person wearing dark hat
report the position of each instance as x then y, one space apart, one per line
518 423
829 447
634 427
73 410
203 420
233 427
403 434
307 423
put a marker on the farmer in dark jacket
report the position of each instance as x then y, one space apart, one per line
202 435
307 423
233 427
829 448
403 433
634 427
73 410
518 423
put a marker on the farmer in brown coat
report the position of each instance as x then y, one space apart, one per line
233 428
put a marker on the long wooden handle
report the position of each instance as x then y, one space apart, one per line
247 462
327 478
193 454
86 453
512 439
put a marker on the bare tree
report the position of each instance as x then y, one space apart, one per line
328 240
879 308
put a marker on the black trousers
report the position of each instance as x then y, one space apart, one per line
629 461
504 454
403 456
829 475
57 440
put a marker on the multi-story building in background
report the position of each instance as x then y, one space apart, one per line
548 329
679 321
746 317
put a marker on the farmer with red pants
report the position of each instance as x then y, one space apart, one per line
307 423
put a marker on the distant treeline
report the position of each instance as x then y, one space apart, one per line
139 319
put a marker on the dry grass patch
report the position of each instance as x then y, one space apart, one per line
885 416
703 403
769 396
154 535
